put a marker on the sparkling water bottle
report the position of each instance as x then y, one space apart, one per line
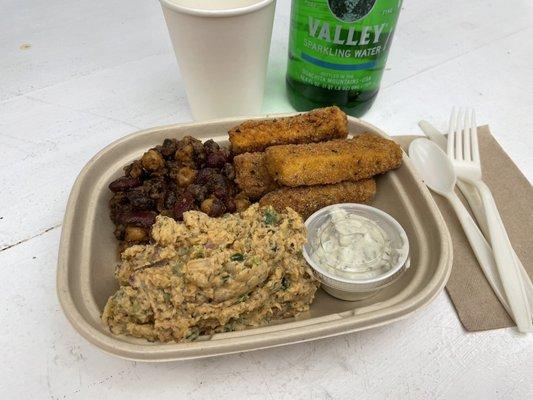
337 52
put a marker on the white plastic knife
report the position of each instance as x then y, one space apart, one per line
474 201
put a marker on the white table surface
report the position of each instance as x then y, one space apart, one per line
78 74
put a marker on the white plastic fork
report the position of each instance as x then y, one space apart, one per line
487 265
463 150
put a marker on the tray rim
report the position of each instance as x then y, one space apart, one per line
296 332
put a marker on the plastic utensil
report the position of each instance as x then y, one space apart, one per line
439 175
470 193
463 150
472 197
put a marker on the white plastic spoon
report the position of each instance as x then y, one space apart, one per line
438 174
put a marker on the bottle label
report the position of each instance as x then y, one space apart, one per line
341 44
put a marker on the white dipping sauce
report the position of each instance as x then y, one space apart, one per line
353 246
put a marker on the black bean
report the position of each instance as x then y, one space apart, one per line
205 175
139 200
119 231
229 171
211 146
216 159
184 203
169 147
217 209
220 193
199 153
170 199
197 191
217 182
230 205
157 189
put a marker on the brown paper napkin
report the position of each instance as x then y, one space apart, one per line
476 304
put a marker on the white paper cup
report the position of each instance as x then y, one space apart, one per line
222 50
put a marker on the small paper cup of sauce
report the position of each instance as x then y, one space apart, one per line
355 249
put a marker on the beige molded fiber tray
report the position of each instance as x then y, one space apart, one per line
88 256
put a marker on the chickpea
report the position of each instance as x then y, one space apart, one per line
186 176
135 169
152 160
135 234
207 205
185 154
213 207
241 203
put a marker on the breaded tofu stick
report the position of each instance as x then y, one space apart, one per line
252 176
331 162
315 126
306 200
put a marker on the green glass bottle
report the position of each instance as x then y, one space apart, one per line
337 52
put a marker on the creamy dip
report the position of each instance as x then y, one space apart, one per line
353 246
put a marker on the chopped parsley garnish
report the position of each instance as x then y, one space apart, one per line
176 268
242 298
237 257
225 278
271 217
167 297
193 335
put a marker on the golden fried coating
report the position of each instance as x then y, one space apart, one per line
330 162
315 126
252 176
306 200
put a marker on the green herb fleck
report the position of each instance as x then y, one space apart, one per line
176 268
225 278
285 283
242 298
198 252
193 335
237 257
136 307
271 217
255 260
167 297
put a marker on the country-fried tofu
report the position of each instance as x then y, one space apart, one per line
306 200
315 126
251 174
331 162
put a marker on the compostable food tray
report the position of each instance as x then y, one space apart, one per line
88 256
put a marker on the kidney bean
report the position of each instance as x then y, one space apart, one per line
124 183
144 219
